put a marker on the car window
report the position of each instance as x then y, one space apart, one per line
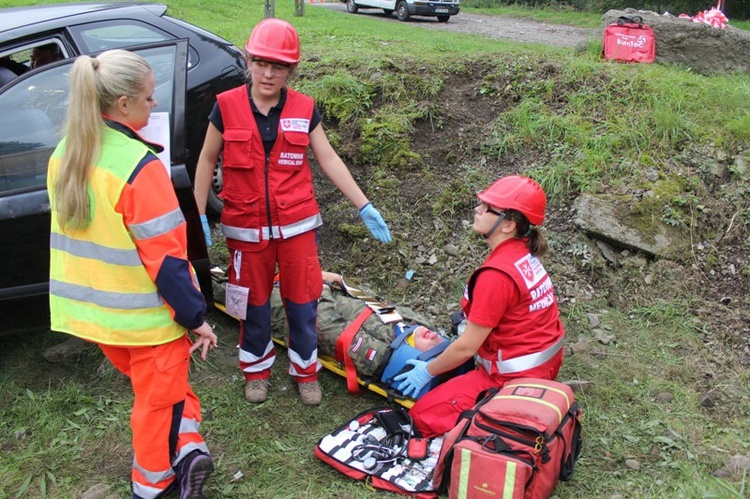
30 125
123 33
34 108
31 55
97 37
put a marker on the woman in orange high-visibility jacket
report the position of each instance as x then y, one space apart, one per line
513 325
119 273
263 131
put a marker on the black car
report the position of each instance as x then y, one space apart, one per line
37 47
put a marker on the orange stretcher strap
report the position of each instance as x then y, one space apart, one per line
342 349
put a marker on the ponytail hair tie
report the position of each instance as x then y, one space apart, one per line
95 63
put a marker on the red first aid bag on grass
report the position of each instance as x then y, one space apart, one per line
629 40
517 442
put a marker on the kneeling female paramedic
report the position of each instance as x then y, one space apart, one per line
264 129
513 325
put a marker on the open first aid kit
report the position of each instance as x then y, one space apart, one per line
517 442
629 40
380 447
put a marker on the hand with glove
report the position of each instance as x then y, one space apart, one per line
374 221
206 230
415 379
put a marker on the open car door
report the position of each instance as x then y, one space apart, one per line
34 106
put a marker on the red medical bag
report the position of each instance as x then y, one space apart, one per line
629 40
517 442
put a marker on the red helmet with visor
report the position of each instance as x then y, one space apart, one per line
517 193
274 40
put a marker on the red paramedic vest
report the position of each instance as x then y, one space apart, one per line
530 332
264 198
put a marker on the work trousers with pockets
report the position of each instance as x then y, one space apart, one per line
437 411
166 413
300 284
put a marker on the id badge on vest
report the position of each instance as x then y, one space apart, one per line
236 295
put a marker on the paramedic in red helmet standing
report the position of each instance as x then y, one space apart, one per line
263 130
513 324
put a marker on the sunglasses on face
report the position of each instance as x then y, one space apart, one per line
488 209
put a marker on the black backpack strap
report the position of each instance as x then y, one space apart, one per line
630 20
484 397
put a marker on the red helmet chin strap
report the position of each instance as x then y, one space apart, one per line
500 218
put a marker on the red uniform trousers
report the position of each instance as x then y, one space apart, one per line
300 285
166 413
437 411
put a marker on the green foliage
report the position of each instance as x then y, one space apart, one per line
459 195
386 139
340 95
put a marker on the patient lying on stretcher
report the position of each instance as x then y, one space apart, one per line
380 347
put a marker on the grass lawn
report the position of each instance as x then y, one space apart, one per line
577 124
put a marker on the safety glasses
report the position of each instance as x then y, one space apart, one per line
488 209
262 67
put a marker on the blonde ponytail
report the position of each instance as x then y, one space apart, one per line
95 86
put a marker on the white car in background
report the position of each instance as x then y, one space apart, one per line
404 9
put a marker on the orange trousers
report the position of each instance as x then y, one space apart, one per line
166 413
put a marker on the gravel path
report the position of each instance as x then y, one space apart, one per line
506 28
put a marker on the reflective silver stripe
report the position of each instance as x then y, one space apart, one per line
153 476
109 299
145 492
521 363
157 226
240 234
188 425
278 232
188 448
302 226
296 360
271 232
257 366
86 249
484 363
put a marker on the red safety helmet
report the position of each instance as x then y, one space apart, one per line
517 193
274 40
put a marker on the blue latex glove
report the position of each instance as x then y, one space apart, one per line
415 379
374 221
206 230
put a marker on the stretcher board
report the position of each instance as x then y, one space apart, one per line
332 365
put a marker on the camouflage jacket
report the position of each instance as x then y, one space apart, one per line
336 310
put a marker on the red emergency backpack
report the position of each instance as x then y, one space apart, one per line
517 442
